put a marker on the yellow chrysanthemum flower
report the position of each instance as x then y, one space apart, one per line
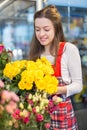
52 83
11 70
31 73
40 84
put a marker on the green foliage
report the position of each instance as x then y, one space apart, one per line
5 57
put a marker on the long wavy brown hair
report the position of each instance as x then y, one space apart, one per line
50 12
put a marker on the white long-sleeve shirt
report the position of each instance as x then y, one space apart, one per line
70 68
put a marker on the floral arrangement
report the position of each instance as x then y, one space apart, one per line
8 103
25 100
5 57
29 75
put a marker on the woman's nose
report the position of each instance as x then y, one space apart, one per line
42 32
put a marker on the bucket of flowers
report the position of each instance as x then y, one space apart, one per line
33 82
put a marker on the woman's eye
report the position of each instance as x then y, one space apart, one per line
46 30
37 30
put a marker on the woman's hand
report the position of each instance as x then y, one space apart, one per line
62 90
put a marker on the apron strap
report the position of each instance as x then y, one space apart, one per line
57 68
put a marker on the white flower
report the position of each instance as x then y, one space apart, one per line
29 107
37 109
21 105
30 96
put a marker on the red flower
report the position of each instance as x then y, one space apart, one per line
47 125
16 114
1 48
26 120
39 117
34 110
30 102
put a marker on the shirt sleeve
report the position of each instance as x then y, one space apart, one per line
75 71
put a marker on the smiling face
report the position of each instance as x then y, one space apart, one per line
44 31
48 32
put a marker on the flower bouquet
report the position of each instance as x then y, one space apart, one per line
33 82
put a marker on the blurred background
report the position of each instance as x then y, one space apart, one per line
16 30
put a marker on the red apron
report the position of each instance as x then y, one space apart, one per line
64 117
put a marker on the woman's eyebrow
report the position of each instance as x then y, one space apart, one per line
43 26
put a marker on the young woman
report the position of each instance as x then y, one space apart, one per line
49 41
